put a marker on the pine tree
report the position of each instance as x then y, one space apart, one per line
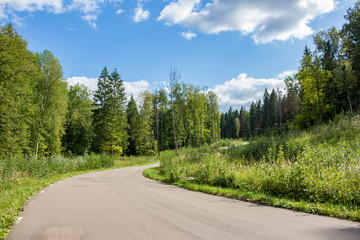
273 109
266 112
110 121
133 125
253 118
116 143
102 110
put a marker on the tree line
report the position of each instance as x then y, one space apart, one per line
327 83
41 115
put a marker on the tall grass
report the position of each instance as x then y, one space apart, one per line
258 148
303 169
13 168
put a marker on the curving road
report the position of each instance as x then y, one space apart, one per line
122 204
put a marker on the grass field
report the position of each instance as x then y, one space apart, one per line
23 177
316 171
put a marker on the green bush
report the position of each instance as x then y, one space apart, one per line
263 146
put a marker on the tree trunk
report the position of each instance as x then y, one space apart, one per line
157 131
319 101
173 120
348 95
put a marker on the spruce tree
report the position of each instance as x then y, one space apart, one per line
133 125
110 121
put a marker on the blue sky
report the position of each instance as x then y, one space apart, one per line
234 47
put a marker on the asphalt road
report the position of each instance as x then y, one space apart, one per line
122 204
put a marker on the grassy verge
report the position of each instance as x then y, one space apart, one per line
135 161
326 209
22 178
316 171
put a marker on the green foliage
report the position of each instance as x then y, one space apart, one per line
145 140
110 123
351 47
30 166
326 84
196 115
163 121
50 96
32 98
133 125
18 70
260 147
79 132
311 168
39 115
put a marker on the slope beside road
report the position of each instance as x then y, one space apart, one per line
122 204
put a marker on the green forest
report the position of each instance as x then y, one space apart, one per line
42 116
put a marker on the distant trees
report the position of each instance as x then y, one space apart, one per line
327 83
350 48
41 115
146 143
163 125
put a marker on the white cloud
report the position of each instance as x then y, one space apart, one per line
140 15
243 90
264 20
90 83
188 35
134 88
90 18
90 9
8 6
287 73
119 11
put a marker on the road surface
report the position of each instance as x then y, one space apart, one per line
122 204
